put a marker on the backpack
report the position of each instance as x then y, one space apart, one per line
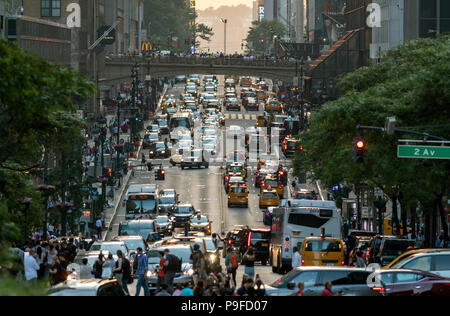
234 261
174 263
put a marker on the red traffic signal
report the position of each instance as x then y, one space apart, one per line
360 144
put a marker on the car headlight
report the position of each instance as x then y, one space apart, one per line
190 271
212 258
151 153
163 152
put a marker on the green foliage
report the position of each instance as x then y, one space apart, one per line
266 30
411 84
36 113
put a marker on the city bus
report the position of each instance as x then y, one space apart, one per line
141 202
180 123
295 220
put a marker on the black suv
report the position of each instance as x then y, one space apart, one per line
259 240
182 214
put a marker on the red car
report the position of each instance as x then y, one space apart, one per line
407 282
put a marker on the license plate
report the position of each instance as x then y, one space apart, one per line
296 233
264 244
330 264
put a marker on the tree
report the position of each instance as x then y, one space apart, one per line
36 113
261 35
410 84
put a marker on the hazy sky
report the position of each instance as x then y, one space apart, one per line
203 4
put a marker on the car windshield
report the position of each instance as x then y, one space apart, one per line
167 200
304 196
396 247
162 123
184 210
133 244
111 247
148 205
196 220
269 194
323 245
238 190
162 219
209 244
271 182
160 146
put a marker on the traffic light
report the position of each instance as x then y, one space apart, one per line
109 173
358 151
160 174
261 40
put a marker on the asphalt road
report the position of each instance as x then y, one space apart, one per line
203 189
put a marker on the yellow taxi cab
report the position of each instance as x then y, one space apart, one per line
200 223
238 196
273 106
272 183
268 198
245 81
261 94
263 119
322 251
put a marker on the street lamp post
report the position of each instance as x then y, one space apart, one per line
119 101
224 21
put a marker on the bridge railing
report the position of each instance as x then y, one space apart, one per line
221 61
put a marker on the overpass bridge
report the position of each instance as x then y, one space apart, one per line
118 68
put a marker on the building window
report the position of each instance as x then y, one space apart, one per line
50 8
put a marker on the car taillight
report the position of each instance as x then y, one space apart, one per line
378 289
342 262
229 241
303 261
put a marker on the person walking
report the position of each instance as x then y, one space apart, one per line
85 270
327 290
301 287
99 226
232 263
142 272
161 271
122 271
296 258
108 267
198 263
57 272
98 267
249 262
172 266
360 263
31 268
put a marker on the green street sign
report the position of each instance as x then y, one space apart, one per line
423 152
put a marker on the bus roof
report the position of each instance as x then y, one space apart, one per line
142 188
308 203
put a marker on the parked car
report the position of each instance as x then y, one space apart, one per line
346 282
436 261
407 282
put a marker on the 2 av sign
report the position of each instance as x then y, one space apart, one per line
423 152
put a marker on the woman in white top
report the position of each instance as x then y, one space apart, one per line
108 267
